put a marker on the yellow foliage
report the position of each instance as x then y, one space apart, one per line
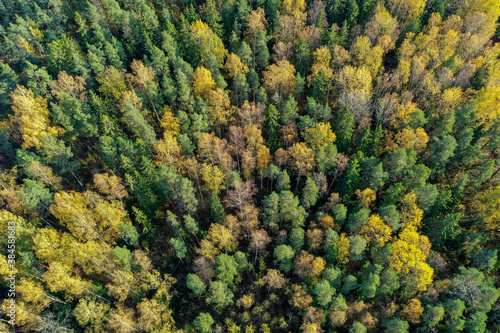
24 314
301 158
263 157
486 205
32 292
235 66
488 105
322 56
222 237
352 79
310 328
420 276
207 249
4 267
408 257
167 149
169 122
279 79
88 216
412 311
112 83
31 115
246 301
203 83
410 138
340 56
401 117
58 278
253 137
207 41
381 26
318 266
300 298
343 245
406 10
319 136
141 74
410 235
490 7
256 21
376 231
411 214
27 46
213 177
290 6
130 97
366 197
47 243
405 256
219 238
326 221
364 55
36 32
220 107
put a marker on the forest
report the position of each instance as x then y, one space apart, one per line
253 166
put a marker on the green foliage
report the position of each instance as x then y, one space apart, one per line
297 239
389 282
350 283
179 247
190 224
130 234
324 293
284 255
220 294
283 182
454 308
433 315
194 283
271 211
357 327
290 210
123 257
476 290
204 322
358 245
396 325
357 220
370 285
216 209
105 152
241 260
484 259
344 128
309 194
227 268
390 215
477 322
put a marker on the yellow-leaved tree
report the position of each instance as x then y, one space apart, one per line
203 83
279 80
221 109
208 42
319 136
376 232
235 66
409 253
88 216
31 116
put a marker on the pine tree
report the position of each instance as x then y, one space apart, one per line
216 209
344 128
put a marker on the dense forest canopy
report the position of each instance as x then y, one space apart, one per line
250 165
